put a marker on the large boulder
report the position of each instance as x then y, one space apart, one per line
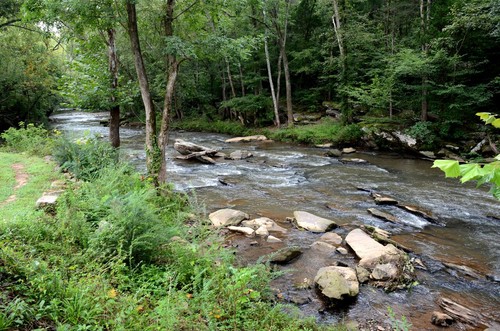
225 217
370 252
312 222
337 282
246 139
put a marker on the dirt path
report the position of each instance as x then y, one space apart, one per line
21 179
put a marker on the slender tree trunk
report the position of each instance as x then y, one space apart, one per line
114 122
152 161
242 84
288 88
172 72
270 76
230 78
343 63
424 22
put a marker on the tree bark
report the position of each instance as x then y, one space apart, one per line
270 76
151 145
114 122
424 24
172 72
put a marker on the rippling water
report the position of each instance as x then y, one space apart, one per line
281 178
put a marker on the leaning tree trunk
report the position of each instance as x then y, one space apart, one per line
152 161
270 76
114 122
172 72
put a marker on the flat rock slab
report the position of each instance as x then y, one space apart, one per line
225 217
246 139
242 229
331 238
383 200
348 150
370 252
337 282
383 215
312 222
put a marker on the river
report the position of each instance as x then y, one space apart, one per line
281 178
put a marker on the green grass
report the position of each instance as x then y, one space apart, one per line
326 131
40 175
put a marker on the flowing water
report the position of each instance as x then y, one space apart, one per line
282 178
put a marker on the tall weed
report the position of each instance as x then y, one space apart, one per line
30 138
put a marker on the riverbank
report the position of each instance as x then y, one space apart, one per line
325 131
113 254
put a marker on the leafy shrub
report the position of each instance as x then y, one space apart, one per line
85 157
425 134
29 138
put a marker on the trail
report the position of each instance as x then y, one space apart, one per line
21 177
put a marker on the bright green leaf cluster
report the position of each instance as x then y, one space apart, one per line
488 173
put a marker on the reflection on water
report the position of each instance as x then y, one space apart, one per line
281 178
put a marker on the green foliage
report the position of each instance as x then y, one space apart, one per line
256 108
398 324
29 138
424 133
487 173
326 131
85 157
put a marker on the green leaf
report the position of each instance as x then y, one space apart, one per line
471 171
496 123
451 168
483 116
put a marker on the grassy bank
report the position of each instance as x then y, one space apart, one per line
115 255
326 131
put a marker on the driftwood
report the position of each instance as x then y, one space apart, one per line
463 314
197 152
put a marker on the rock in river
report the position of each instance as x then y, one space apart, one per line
331 238
371 252
246 139
312 222
224 217
337 282
285 255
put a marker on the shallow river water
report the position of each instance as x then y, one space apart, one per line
281 178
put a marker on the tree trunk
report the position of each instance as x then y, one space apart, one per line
152 161
114 122
270 76
241 80
424 24
343 63
288 88
172 72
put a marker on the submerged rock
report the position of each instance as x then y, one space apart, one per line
383 215
239 155
224 217
312 222
337 282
